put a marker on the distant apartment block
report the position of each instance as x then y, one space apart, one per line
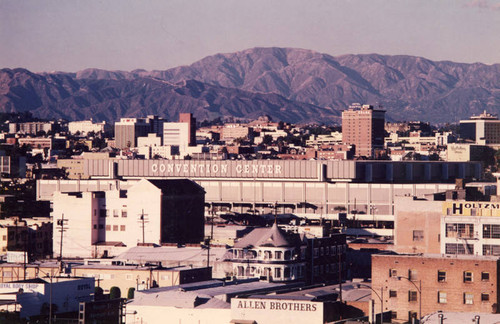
363 126
233 131
31 128
483 129
187 118
176 134
127 130
86 126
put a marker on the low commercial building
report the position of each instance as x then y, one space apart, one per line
249 301
35 296
109 273
417 285
204 302
468 152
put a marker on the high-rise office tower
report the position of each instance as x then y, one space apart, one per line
363 126
191 121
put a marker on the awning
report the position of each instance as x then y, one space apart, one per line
241 321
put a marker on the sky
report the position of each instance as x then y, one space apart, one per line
71 35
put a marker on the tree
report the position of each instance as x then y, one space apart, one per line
130 294
267 140
98 293
115 293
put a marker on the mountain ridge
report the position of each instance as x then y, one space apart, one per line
295 85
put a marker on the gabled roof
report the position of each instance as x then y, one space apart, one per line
269 236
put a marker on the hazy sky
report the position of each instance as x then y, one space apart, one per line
68 35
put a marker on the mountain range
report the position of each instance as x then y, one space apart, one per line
292 85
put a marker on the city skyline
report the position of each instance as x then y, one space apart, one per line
154 35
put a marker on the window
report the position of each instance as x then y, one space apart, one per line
460 230
393 273
412 296
454 248
4 237
115 213
115 228
287 273
277 272
108 227
316 252
467 276
468 299
412 274
485 276
491 231
442 297
277 255
418 236
485 297
122 228
393 294
124 213
441 276
491 249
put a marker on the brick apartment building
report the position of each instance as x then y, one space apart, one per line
450 284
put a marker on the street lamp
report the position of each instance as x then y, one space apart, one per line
381 297
419 289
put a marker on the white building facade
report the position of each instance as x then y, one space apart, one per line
269 253
86 126
94 222
471 227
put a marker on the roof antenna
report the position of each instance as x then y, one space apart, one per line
276 213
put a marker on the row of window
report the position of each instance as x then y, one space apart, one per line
114 228
268 272
468 276
331 250
442 297
107 212
458 248
467 230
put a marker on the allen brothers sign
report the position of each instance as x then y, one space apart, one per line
271 311
276 305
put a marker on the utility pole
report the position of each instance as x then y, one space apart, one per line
209 241
61 222
143 221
